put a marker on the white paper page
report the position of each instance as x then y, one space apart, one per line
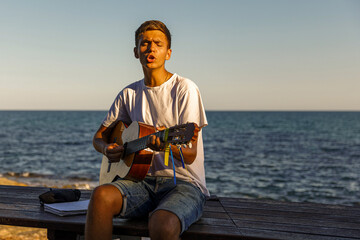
69 206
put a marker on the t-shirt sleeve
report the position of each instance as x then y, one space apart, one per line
191 106
117 112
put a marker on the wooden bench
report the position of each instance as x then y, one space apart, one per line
223 218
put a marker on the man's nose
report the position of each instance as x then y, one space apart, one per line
152 46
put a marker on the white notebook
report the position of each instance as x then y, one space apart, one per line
67 208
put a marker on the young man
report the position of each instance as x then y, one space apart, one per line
161 99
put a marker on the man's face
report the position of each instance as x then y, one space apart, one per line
152 49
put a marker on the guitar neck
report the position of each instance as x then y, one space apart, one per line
140 143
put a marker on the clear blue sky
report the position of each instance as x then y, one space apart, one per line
243 55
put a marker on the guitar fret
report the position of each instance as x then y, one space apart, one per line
137 145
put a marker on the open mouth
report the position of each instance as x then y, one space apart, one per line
150 58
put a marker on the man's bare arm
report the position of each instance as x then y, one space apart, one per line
112 151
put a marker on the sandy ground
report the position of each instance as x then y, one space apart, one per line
19 233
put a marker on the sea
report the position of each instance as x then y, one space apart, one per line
283 156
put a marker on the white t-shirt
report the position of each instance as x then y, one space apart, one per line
176 101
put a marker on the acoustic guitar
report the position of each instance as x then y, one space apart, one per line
137 157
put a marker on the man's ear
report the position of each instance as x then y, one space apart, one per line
168 54
136 52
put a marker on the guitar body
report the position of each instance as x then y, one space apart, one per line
133 166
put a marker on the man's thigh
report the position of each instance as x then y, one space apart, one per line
136 198
186 201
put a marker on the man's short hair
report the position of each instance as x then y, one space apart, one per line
152 25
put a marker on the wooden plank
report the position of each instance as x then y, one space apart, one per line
213 203
42 220
295 206
295 228
216 232
271 201
296 213
338 215
316 210
292 216
215 215
22 188
216 222
256 234
214 209
292 221
24 201
279 218
20 207
26 198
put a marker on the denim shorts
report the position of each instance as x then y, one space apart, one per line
141 199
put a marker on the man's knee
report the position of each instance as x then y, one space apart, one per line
163 224
107 196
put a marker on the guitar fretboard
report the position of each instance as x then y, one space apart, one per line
140 143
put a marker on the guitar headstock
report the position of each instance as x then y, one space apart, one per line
181 134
